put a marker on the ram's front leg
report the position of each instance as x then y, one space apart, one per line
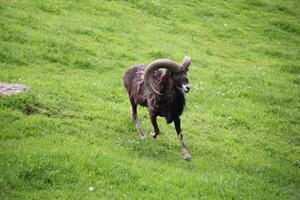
180 137
155 126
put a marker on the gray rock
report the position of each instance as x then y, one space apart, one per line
9 89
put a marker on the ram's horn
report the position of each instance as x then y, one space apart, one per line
154 66
186 62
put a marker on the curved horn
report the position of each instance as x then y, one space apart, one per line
155 65
186 62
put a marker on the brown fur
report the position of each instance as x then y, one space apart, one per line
169 105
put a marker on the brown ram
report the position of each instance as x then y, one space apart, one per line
161 91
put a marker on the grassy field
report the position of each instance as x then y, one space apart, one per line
73 130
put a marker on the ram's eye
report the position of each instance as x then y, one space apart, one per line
176 76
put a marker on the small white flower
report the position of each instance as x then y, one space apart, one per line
91 189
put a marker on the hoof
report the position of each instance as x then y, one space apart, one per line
187 157
154 135
142 137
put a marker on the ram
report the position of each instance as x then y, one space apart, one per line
161 91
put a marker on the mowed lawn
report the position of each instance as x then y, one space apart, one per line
73 131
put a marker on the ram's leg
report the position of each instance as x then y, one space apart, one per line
180 137
136 120
155 126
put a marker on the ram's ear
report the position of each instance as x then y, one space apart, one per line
164 76
186 63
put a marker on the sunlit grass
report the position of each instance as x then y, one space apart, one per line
72 130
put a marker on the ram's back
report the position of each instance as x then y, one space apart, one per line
134 83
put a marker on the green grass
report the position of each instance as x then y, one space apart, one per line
73 129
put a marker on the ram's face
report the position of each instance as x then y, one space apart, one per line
181 80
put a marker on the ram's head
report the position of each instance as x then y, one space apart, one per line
176 73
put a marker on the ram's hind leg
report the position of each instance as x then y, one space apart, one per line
136 120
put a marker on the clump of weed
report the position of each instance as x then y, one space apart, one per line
296 163
152 7
158 54
27 103
289 67
285 26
